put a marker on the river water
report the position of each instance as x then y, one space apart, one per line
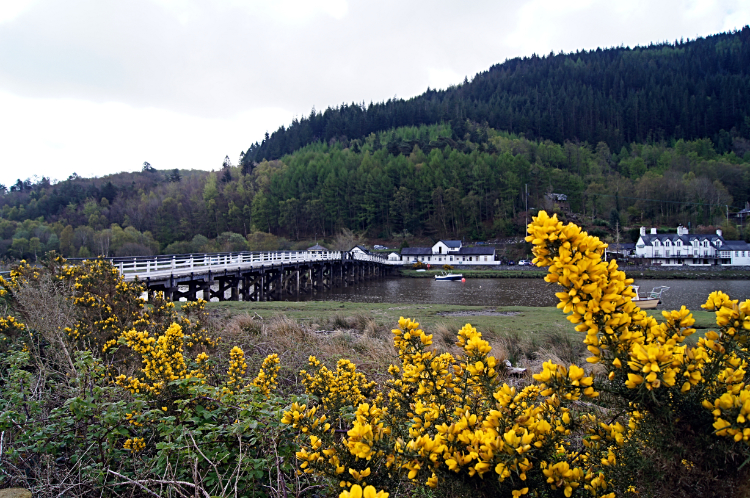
514 292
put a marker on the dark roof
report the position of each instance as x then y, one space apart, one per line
625 246
361 248
735 245
453 244
474 251
416 251
317 247
649 238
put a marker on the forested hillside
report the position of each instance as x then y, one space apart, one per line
407 181
657 135
684 90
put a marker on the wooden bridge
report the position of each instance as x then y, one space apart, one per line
251 276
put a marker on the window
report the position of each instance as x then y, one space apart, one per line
667 243
440 249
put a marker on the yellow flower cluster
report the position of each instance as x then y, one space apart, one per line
237 368
135 445
9 325
340 388
267 377
447 417
357 492
570 384
162 357
640 354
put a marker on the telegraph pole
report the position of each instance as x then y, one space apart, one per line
527 207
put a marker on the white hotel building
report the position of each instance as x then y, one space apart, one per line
683 248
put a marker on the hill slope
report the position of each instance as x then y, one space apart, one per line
683 90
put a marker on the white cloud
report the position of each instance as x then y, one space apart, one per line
184 82
11 9
443 77
55 138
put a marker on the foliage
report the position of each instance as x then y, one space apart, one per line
639 94
447 267
418 265
449 422
141 405
468 190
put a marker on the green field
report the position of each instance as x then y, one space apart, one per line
501 320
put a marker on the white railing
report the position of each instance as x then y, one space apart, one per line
184 264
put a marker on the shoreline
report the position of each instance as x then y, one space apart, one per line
640 273
495 320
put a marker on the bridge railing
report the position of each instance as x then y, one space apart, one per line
184 263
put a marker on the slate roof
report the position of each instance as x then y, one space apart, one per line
626 246
453 244
416 251
735 245
361 248
687 240
317 247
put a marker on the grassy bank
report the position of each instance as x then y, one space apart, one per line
494 320
643 273
331 330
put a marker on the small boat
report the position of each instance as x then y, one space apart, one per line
652 300
449 276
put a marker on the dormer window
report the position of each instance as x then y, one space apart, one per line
667 243
656 242
705 243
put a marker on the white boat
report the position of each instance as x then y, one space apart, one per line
652 300
449 276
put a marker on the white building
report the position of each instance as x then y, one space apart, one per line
684 248
359 249
394 256
449 252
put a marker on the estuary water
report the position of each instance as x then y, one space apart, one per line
514 292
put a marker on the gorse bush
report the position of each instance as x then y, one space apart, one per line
450 423
105 394
143 405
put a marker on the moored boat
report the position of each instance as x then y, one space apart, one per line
651 301
449 276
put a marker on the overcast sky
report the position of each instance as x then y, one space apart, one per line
100 86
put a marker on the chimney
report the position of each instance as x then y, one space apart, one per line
718 232
653 231
643 230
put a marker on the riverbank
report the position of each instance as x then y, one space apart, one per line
651 273
510 321
361 332
481 273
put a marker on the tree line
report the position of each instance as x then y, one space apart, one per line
662 92
410 181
